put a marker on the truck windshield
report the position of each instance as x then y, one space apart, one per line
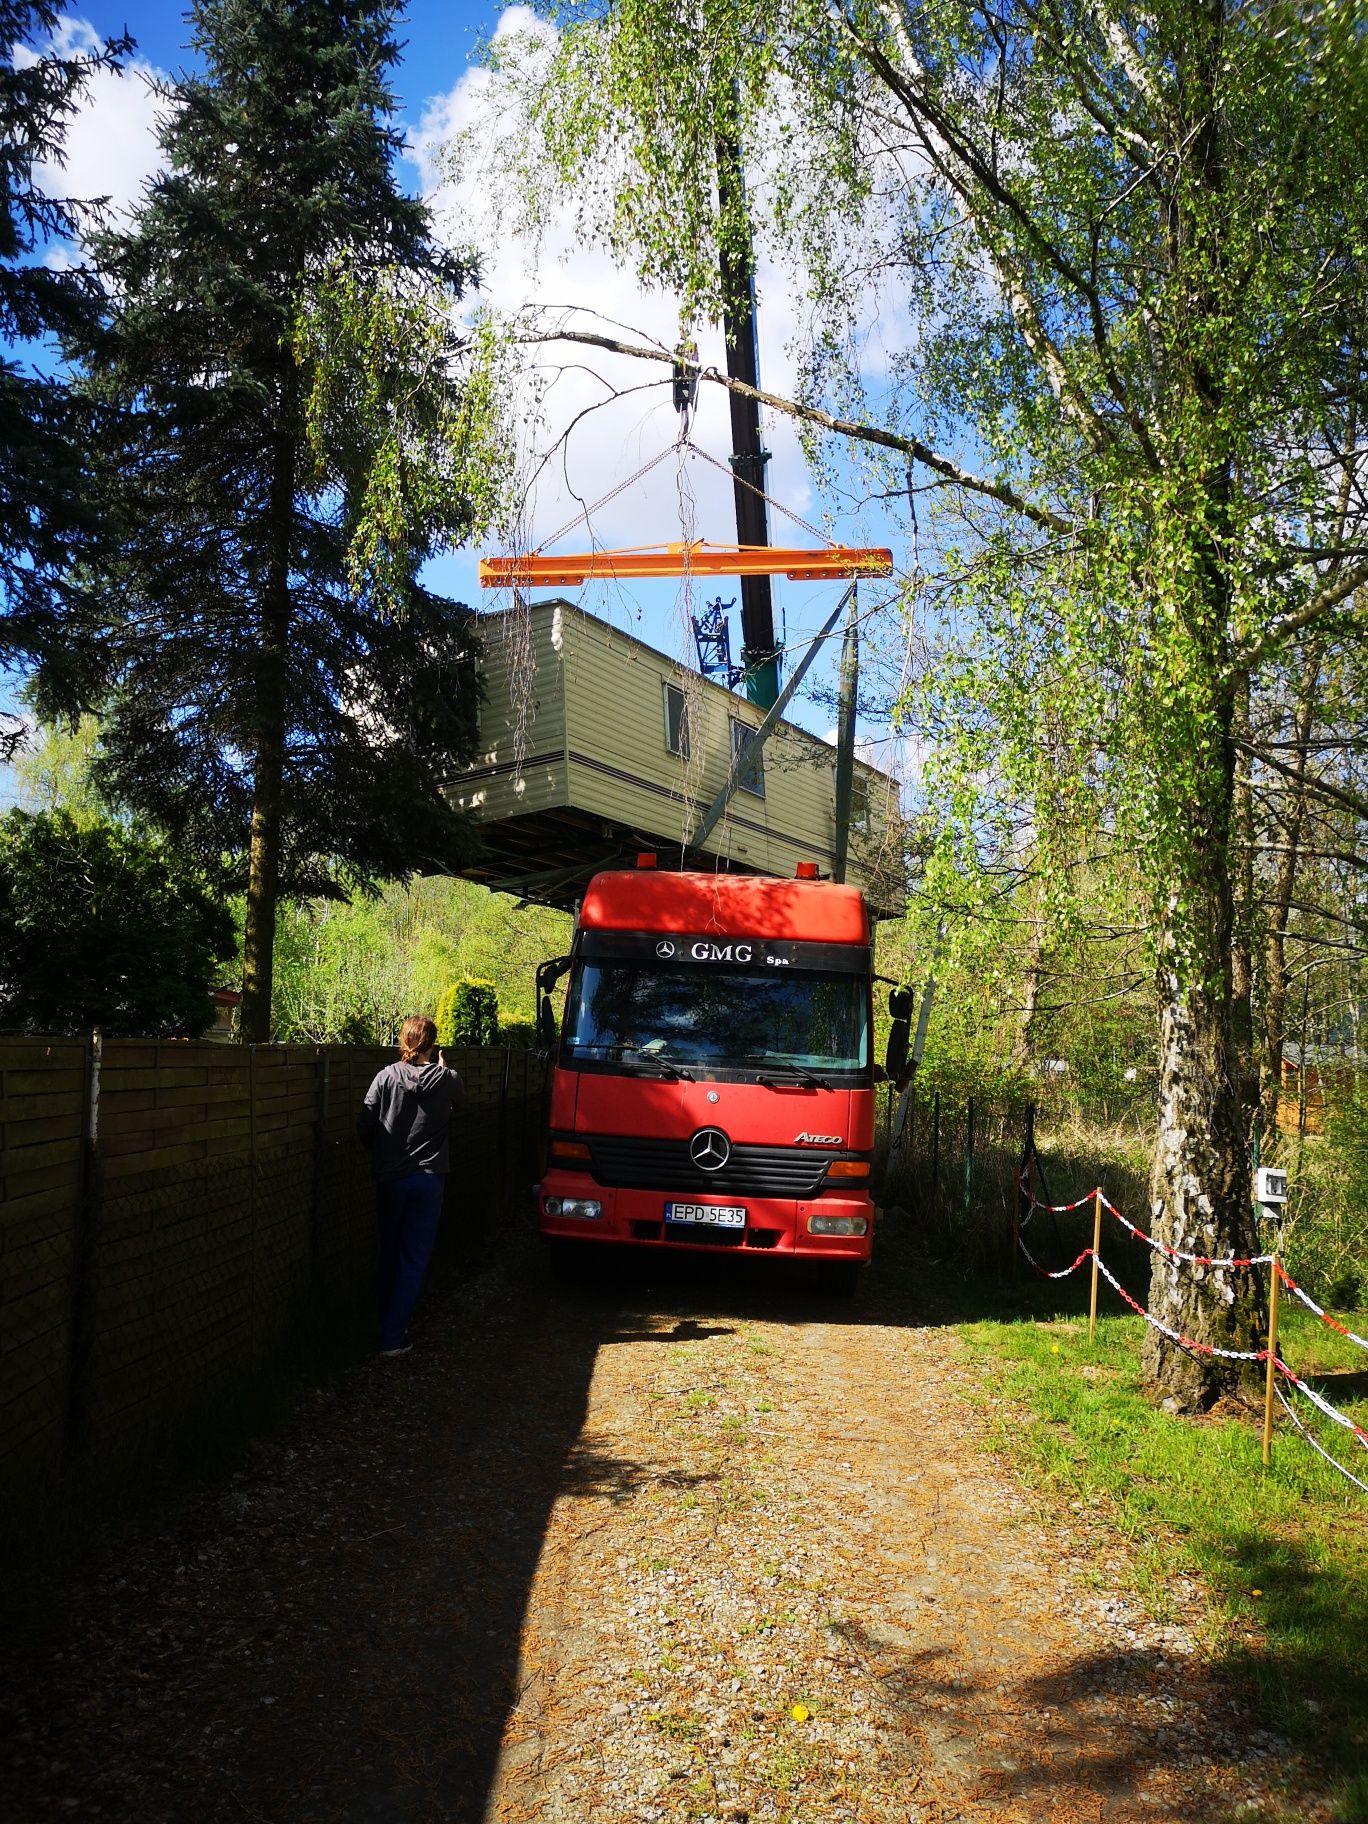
728 1020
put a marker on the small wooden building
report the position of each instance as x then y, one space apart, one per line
1324 1075
594 746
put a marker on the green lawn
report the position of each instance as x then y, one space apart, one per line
1284 1553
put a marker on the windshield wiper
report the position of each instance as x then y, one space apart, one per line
800 1071
667 1067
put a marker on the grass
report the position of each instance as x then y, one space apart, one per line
1283 1552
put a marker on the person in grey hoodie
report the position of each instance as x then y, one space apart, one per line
405 1120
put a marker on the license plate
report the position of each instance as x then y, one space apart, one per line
715 1215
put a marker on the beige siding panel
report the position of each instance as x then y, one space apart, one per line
616 726
521 763
620 767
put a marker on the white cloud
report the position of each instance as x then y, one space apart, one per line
110 145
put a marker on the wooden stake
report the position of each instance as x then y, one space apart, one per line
1272 1354
1096 1250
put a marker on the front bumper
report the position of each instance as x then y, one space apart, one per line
774 1225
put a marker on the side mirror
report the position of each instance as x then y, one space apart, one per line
899 1035
548 974
546 1025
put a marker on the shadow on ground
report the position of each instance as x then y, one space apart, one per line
336 1635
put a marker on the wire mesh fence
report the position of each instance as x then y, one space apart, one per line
169 1211
952 1161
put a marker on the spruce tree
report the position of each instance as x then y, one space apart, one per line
279 689
46 499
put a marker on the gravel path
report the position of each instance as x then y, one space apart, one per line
699 1549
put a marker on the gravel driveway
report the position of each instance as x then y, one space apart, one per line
650 1548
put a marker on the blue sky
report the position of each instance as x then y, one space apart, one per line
112 148
438 35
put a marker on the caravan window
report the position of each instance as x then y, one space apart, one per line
676 721
750 768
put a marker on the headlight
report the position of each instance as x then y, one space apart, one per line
838 1225
587 1207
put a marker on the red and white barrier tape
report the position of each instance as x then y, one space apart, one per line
1311 1305
1322 1404
1065 1272
1160 1247
1193 1260
1062 1209
1184 1342
1319 1448
1238 1355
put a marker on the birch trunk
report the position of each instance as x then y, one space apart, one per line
1200 1179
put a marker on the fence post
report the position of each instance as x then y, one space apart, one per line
968 1156
322 1098
505 1198
85 1239
1096 1250
1272 1347
251 1204
1025 1196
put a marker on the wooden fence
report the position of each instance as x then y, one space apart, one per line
167 1211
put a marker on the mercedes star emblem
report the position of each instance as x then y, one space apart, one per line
665 947
710 1149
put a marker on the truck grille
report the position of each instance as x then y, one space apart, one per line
643 1164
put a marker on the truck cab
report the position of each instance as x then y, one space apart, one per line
713 1084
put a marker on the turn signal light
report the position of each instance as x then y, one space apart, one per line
574 1150
848 1168
806 870
646 859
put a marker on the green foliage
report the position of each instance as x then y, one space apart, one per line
517 1032
406 410
1326 1232
100 927
48 509
54 771
468 1014
361 967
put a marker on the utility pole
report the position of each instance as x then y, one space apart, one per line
845 734
759 652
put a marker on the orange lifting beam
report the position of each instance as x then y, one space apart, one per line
696 558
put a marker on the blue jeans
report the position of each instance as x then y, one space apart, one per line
408 1209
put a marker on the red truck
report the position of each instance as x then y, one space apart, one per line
713 1084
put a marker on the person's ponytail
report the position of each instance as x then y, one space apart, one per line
417 1034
